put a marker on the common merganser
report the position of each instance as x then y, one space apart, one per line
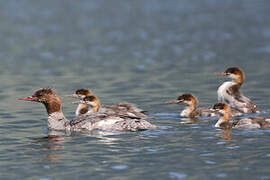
191 109
224 111
91 121
229 92
128 109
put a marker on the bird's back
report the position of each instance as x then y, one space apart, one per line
105 121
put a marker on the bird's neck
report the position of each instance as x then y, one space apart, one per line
96 108
53 105
239 80
95 105
224 119
189 110
57 121
81 109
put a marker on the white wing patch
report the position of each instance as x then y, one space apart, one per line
108 122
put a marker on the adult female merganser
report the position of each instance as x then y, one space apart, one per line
91 121
128 109
229 92
248 122
191 109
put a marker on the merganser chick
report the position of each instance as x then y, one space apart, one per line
93 121
191 109
93 103
81 93
86 102
229 92
128 109
224 111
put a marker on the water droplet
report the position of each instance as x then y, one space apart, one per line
178 176
221 175
209 162
119 167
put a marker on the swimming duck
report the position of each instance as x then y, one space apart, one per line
191 109
229 92
224 112
121 108
89 121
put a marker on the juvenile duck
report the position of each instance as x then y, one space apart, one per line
229 92
121 108
191 109
224 112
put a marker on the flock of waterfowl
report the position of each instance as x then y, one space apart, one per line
92 115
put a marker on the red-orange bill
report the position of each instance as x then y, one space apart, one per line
28 99
173 102
221 74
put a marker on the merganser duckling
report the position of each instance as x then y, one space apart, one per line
86 102
121 108
191 109
224 111
81 93
92 121
229 92
93 104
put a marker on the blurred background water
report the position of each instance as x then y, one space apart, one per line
145 52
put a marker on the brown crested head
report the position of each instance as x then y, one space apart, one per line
92 101
220 106
90 98
83 92
186 97
41 95
189 99
222 109
234 73
48 97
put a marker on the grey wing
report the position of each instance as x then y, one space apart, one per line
264 122
205 111
131 106
133 125
246 123
241 102
127 110
89 119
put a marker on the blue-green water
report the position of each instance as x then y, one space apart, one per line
145 52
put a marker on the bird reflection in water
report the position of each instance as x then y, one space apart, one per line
226 135
55 141
189 120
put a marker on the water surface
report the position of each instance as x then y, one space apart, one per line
145 52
